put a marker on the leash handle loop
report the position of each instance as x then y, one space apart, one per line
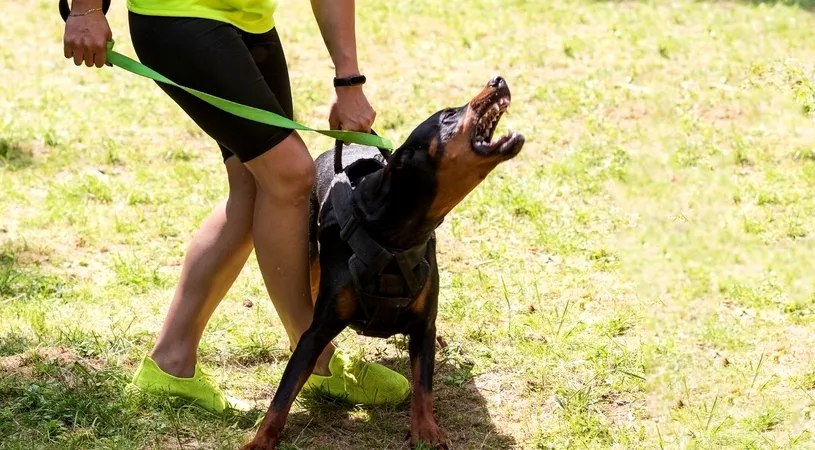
338 144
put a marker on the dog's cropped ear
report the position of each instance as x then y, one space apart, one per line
396 164
397 160
393 163
390 167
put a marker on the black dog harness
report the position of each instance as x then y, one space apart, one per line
387 281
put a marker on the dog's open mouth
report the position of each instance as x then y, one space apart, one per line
486 123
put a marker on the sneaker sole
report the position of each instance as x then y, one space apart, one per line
143 397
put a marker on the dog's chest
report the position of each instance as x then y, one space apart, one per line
386 282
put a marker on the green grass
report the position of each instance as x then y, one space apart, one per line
640 277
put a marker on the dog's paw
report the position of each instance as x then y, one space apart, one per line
429 435
261 445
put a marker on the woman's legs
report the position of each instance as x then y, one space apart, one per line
273 214
250 69
285 175
222 245
215 258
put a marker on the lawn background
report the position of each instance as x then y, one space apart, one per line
641 276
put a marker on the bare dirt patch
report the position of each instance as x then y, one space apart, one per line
24 364
627 114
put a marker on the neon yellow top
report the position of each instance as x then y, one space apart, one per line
252 16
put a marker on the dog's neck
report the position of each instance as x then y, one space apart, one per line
394 211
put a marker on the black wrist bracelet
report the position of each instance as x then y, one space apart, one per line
355 80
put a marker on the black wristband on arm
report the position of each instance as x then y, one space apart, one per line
355 80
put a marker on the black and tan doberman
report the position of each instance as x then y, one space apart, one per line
373 250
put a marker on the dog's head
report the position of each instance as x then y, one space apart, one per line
454 150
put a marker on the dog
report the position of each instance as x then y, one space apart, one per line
373 248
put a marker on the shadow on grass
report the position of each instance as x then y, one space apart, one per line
54 399
13 155
460 410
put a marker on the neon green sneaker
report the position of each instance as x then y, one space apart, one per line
200 389
358 382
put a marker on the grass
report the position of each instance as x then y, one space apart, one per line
640 277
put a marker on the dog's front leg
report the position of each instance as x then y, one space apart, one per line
423 426
299 368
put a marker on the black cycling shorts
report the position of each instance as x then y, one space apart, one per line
225 61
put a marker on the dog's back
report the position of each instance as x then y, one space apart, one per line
358 160
352 155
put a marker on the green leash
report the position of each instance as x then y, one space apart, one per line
247 112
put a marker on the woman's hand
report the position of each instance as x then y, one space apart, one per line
87 33
350 110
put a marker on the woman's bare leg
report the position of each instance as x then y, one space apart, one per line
285 175
215 258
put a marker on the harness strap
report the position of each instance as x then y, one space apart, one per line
380 321
381 295
365 248
406 266
338 168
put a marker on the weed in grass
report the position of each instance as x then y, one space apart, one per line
136 273
13 155
26 283
769 418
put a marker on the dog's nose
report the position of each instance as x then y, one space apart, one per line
497 82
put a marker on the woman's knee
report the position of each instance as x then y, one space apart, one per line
286 172
240 205
242 186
